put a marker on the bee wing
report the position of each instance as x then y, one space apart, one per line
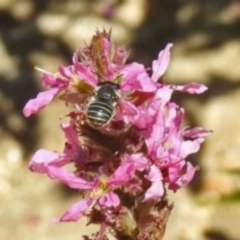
74 97
127 108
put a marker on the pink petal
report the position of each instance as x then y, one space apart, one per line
184 174
154 137
139 161
157 189
160 65
130 73
197 132
42 99
73 149
120 56
122 175
192 88
75 211
70 179
164 93
43 158
49 80
66 71
189 147
109 200
84 72
187 176
146 83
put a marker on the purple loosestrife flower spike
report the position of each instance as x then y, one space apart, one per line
123 166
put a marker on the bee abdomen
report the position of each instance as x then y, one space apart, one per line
99 113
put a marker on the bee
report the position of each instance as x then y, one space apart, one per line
98 105
103 104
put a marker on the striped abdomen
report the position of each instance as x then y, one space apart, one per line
99 113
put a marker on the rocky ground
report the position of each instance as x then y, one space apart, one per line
206 37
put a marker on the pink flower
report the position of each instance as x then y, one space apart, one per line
168 148
122 168
102 192
43 158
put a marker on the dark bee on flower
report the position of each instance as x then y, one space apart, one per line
103 104
99 105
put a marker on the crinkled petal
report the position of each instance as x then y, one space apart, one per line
146 83
70 179
139 161
160 65
196 132
73 148
42 99
182 176
157 189
71 134
122 175
49 80
164 94
130 74
154 137
187 176
84 71
66 71
192 88
43 158
189 147
120 56
109 200
75 211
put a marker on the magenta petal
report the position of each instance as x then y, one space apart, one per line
180 174
196 132
183 179
160 65
138 160
189 147
154 138
70 134
75 211
192 88
43 158
109 200
42 99
122 175
84 71
187 176
70 179
147 84
67 71
73 148
49 80
130 73
164 94
156 190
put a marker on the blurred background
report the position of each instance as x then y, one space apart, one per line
44 33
